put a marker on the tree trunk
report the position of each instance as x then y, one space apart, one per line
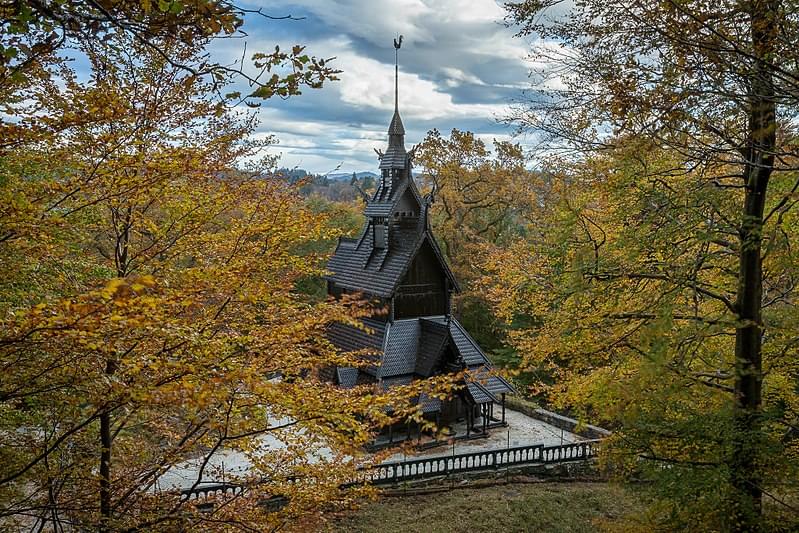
122 228
106 441
105 470
746 479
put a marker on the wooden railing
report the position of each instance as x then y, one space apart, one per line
427 467
496 459
211 489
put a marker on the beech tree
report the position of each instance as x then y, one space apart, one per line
149 315
35 34
34 31
476 192
714 85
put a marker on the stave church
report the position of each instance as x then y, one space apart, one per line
396 262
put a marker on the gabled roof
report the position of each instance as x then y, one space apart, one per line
356 265
395 157
400 349
483 387
385 198
467 347
346 376
432 341
479 394
348 338
414 348
429 405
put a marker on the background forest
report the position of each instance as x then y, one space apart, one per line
161 291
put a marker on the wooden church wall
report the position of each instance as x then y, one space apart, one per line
422 291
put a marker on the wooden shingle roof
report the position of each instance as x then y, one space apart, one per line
414 347
432 341
357 266
401 346
395 156
386 196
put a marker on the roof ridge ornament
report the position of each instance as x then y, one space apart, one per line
427 204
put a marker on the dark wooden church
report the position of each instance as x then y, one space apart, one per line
397 262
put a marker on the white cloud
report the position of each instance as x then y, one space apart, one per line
457 77
367 82
458 65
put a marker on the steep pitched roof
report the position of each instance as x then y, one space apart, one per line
483 386
467 347
429 405
356 265
396 127
401 346
346 376
348 338
479 394
432 340
413 348
383 202
395 156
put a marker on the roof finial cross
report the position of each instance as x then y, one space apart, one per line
397 45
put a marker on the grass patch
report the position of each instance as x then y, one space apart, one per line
551 507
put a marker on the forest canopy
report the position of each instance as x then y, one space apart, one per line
630 260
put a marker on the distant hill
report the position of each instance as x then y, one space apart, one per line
342 176
336 186
299 173
293 174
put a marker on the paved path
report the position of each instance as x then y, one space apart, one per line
523 430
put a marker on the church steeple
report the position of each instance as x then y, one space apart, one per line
395 156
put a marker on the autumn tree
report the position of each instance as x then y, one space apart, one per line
477 206
476 191
33 32
34 36
710 90
150 324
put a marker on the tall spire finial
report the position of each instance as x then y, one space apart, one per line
395 156
397 45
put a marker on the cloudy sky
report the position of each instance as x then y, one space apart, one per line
459 68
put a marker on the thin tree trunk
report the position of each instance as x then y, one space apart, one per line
106 436
746 477
106 442
105 470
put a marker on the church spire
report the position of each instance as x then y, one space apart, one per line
395 156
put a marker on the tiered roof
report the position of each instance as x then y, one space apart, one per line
417 348
409 348
395 157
